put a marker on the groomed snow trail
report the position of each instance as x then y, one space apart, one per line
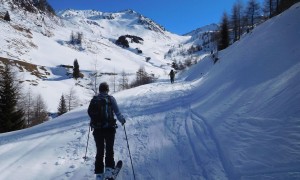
167 140
169 135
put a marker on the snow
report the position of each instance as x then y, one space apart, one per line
44 40
236 119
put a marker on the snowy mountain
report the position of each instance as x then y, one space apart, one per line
42 39
208 28
235 119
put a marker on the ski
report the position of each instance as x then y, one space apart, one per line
116 171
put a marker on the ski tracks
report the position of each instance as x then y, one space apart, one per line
195 144
205 147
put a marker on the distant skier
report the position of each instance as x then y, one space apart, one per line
172 76
101 110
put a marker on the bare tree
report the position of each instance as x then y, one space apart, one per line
236 20
40 111
35 109
123 81
253 11
270 7
142 77
71 99
27 101
113 80
94 77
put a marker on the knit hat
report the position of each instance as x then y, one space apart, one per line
104 87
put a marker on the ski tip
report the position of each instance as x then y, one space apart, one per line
119 163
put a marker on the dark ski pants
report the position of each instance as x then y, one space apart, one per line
104 138
172 80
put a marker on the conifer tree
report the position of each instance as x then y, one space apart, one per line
72 38
224 33
76 71
7 16
11 116
79 38
62 108
285 4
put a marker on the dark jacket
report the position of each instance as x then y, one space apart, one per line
114 105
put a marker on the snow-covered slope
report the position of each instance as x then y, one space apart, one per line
250 100
42 39
236 119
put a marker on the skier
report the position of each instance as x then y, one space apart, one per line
172 76
105 136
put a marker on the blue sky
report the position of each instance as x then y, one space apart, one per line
177 16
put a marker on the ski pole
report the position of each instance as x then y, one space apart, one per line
87 143
129 152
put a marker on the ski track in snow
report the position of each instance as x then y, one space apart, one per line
178 131
159 131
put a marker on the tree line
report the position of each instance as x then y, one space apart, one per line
141 77
21 109
244 18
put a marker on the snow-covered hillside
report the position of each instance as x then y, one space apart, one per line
236 119
42 39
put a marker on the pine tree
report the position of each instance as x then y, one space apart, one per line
224 33
7 16
79 38
285 4
62 108
76 71
11 116
72 38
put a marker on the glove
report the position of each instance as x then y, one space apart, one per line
123 121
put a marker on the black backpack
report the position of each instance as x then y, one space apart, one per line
101 113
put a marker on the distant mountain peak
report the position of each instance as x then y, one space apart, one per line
207 28
128 13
